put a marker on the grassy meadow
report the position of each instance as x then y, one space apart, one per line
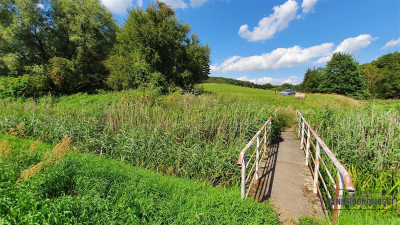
117 138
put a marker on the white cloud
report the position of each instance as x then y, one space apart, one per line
272 24
118 6
308 5
176 4
351 45
275 81
214 68
197 3
277 59
392 43
139 3
354 44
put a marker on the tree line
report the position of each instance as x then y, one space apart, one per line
250 84
69 46
343 75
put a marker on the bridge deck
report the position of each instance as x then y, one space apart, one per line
286 181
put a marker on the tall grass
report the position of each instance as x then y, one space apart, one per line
197 137
367 142
84 188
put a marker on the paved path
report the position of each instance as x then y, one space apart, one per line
286 181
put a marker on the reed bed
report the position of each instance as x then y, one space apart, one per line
198 137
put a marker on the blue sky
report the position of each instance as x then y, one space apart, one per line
275 41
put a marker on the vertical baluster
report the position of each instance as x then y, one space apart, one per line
316 168
308 145
265 143
302 136
257 156
298 124
270 132
338 197
243 188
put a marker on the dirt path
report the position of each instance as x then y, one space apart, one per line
286 181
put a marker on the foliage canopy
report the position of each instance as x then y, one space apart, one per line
154 49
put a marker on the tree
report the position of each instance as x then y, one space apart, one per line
389 75
372 77
314 80
154 48
76 35
342 75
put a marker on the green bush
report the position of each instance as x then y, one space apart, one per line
23 86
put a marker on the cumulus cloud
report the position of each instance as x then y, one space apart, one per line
351 45
118 6
197 3
392 43
308 5
268 26
214 68
270 80
277 59
176 4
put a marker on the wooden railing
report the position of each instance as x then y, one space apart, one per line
254 162
312 144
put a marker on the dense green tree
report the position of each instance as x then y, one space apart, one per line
342 75
372 77
313 80
154 48
75 35
388 85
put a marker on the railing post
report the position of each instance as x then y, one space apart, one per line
302 136
257 156
338 196
308 145
316 168
243 176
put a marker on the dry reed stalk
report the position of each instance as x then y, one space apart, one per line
58 152
5 149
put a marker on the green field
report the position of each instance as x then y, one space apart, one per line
312 101
125 141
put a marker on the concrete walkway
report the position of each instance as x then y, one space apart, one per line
286 181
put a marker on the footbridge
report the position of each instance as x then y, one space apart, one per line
296 172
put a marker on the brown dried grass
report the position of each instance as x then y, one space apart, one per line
58 152
5 149
18 130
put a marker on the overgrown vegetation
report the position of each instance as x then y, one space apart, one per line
197 137
84 188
